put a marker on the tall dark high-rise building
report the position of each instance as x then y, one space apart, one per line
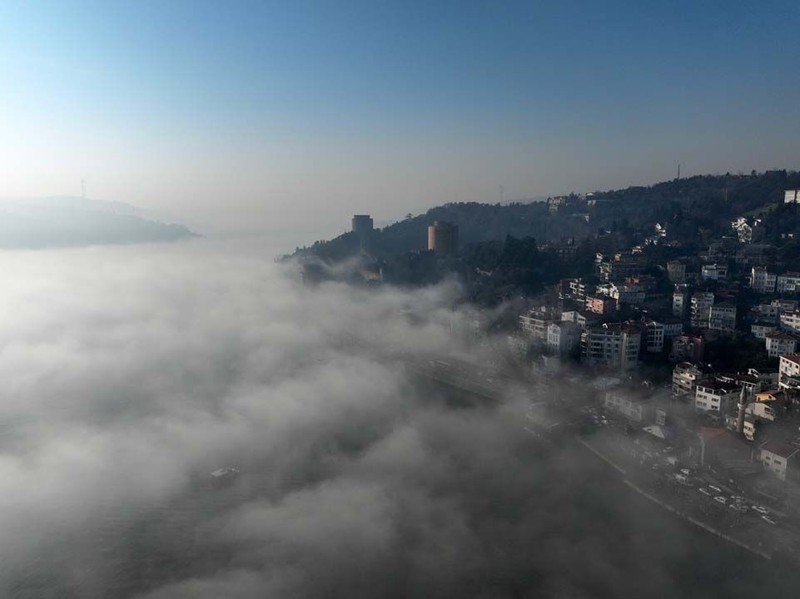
442 237
362 224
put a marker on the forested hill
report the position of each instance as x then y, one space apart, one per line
693 209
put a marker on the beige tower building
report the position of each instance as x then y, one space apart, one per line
442 237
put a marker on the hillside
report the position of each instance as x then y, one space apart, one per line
70 222
694 210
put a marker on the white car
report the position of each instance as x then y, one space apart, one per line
768 519
761 510
721 499
704 491
713 488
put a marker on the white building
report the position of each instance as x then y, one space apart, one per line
713 272
778 458
780 343
789 372
627 294
534 326
634 404
701 308
563 337
685 377
714 396
788 282
791 196
613 345
761 280
722 317
790 321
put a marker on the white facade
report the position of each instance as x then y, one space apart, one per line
713 397
635 408
534 326
779 344
679 303
790 321
788 371
791 196
563 337
722 317
713 272
761 280
612 345
701 308
777 458
684 379
788 282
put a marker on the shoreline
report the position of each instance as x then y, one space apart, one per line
691 519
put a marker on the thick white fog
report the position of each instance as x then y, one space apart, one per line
127 375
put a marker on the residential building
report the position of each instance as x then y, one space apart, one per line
779 459
761 280
676 271
760 329
790 321
788 282
789 372
577 289
534 326
580 317
685 377
700 308
791 196
634 403
601 304
563 337
654 336
612 345
628 294
687 347
680 303
715 396
722 317
713 272
780 343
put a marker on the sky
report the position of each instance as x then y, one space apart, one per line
274 116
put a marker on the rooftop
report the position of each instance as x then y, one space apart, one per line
780 449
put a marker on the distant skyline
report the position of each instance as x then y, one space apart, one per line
263 115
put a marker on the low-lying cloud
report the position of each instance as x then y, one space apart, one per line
129 374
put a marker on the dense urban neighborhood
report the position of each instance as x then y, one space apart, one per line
673 353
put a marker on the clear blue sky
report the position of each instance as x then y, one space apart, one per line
243 113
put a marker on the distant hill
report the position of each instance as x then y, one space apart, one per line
72 221
693 209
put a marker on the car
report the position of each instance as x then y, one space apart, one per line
713 488
686 471
761 510
769 520
721 499
704 491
